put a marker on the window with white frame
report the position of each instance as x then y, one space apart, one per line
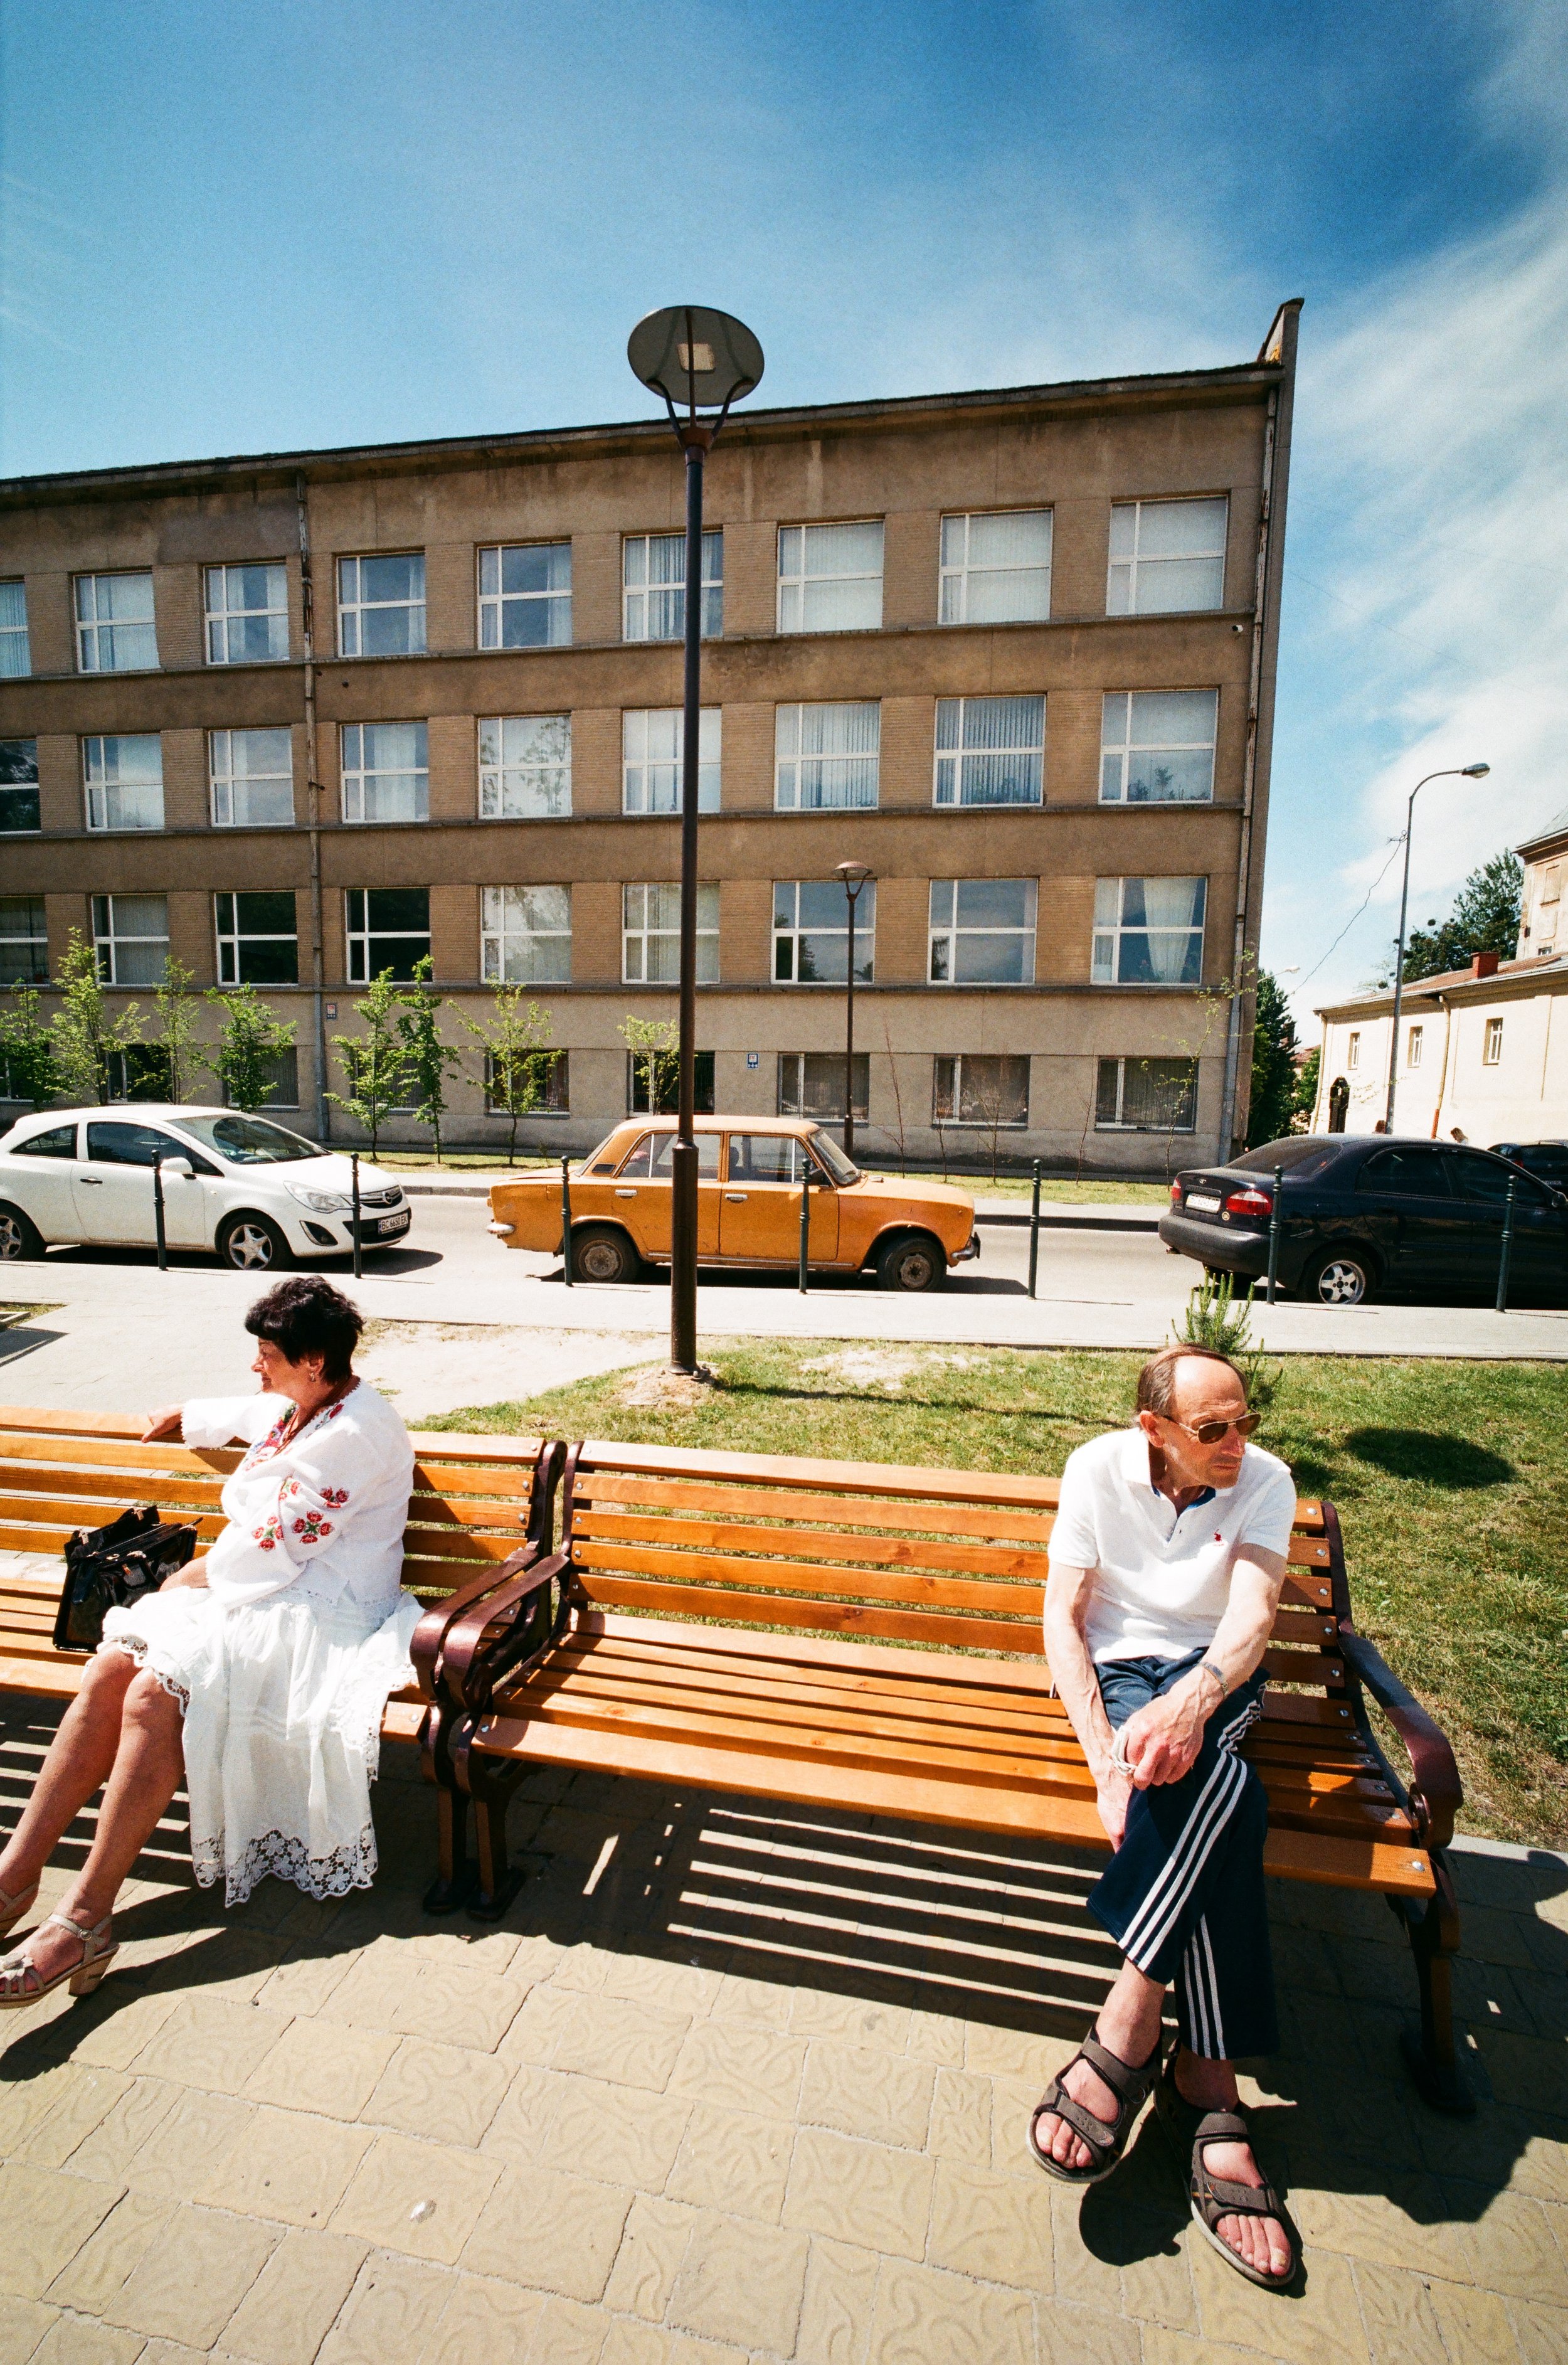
15 654
525 767
258 939
381 605
810 931
387 928
1353 1049
252 779
1492 1048
280 1087
982 1088
654 586
652 739
130 936
990 751
114 631
24 941
826 758
18 786
1148 930
1157 747
385 771
247 614
1166 557
525 594
982 932
122 776
650 935
525 936
996 567
810 1084
830 579
1413 1046
1145 1096
547 1076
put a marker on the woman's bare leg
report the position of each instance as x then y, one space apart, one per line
80 1759
147 1771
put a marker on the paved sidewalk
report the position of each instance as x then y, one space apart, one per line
732 2086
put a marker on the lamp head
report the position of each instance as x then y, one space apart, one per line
1474 771
694 356
854 874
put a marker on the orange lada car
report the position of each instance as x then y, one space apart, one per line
749 1205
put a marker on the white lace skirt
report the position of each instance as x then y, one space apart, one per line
283 1703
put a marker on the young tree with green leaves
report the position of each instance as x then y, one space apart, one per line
1273 1098
1306 1090
253 1036
515 1059
428 1061
655 1045
373 1063
27 1051
84 1037
174 1042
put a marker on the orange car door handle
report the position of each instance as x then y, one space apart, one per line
736 1198
625 1194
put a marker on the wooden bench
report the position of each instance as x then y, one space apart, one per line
863 1636
480 1510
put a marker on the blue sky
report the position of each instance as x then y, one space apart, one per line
231 228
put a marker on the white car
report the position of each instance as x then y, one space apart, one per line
258 1196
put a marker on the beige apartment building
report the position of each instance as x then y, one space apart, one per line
299 718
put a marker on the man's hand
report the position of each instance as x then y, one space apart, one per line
1161 1742
1112 1795
164 1422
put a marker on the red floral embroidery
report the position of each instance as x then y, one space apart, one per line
312 1528
336 1495
268 1534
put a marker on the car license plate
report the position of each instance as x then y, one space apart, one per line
400 1222
1205 1202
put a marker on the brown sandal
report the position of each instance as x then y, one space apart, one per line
1214 2197
1106 2138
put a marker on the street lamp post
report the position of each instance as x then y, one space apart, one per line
1452 772
696 358
854 876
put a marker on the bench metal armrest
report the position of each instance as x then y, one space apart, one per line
427 1649
469 1671
1436 1792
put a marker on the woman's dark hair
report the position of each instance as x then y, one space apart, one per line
309 1317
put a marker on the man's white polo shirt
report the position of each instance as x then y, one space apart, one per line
1162 1576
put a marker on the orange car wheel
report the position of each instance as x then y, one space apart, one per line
915 1262
602 1253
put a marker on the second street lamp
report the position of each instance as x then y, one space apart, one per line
1452 772
691 356
854 876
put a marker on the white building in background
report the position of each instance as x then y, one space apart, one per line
1482 1051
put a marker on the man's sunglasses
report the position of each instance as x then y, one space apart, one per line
1210 1432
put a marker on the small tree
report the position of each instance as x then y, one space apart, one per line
1215 1317
1306 1099
27 1052
427 1060
373 1063
254 1036
513 1038
1485 919
84 1037
176 1007
655 1045
897 1094
1273 1065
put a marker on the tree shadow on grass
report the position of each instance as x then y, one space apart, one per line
1433 1457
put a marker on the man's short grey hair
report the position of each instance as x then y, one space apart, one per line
1157 1381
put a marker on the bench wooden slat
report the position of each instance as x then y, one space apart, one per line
723 1572
832 1617
835 1508
961 1557
198 1461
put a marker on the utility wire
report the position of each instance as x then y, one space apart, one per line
1356 915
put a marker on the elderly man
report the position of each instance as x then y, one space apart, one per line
1166 1563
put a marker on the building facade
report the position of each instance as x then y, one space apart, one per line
296 720
1483 1050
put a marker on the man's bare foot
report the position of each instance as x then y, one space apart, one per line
1262 2242
1132 2036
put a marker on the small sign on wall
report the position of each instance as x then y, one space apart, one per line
752 1060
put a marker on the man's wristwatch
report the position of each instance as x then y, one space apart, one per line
1207 1667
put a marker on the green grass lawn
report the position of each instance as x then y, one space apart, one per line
1451 1478
1097 1193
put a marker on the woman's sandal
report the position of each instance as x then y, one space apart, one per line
13 1907
1104 2138
17 1970
1214 2197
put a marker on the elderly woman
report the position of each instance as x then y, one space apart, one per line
259 1674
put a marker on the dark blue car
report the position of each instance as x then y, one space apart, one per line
1364 1215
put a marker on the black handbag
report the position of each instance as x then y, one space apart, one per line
114 1567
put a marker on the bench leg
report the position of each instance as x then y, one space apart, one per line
1433 2061
488 1784
455 1876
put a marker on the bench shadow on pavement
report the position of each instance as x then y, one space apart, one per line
988 1936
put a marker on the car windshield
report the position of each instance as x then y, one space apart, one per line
843 1169
1303 1156
249 1140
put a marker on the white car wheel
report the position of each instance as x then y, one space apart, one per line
251 1244
19 1237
